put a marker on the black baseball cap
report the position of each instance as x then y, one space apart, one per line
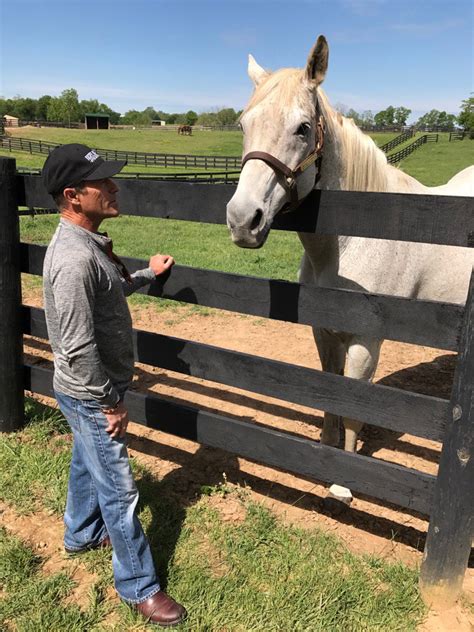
68 165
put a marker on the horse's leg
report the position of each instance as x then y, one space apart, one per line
332 354
362 359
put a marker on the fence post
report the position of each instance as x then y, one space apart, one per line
11 339
451 529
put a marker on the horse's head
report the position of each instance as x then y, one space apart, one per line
281 130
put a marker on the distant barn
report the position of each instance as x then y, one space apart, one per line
97 120
10 121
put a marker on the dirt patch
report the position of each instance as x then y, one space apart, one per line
43 533
367 526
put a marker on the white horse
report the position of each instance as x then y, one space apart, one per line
282 138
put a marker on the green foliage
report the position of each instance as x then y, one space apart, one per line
64 108
392 116
437 120
191 117
466 117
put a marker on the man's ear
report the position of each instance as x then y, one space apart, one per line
256 73
317 63
70 195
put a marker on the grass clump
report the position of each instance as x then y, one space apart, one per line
33 602
34 463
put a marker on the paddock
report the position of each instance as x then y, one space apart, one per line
415 218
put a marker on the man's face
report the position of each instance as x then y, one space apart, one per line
98 199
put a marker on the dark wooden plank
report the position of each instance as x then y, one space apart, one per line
406 217
372 477
419 322
395 409
11 352
449 540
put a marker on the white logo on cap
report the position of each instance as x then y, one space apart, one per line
91 156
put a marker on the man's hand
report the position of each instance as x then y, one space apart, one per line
117 420
161 263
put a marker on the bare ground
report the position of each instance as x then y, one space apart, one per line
368 526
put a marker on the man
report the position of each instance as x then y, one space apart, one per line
90 331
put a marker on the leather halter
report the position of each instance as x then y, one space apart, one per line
290 175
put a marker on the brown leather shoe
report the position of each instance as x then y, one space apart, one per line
103 544
162 610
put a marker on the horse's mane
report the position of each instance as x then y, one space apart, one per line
364 165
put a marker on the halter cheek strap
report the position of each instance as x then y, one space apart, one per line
291 175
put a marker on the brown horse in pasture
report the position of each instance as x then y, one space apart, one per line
186 130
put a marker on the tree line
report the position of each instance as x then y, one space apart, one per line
67 109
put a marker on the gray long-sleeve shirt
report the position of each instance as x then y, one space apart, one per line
89 323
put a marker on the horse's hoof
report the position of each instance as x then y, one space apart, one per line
340 493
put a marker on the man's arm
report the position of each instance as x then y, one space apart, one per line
159 266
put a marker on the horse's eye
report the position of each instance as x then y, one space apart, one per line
303 129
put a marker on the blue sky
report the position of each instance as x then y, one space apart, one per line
184 54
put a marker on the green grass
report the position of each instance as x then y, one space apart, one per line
256 574
434 164
32 601
146 140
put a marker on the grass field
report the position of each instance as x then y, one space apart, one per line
253 574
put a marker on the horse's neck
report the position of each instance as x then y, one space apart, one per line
351 162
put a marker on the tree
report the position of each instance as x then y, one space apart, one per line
41 111
70 100
385 118
355 116
208 119
367 118
434 119
401 115
65 108
466 116
227 116
191 117
25 108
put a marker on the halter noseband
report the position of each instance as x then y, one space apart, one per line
290 175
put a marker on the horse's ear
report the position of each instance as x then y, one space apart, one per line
317 63
256 73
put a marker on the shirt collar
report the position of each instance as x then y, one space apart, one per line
101 239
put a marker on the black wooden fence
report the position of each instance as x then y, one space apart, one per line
132 157
398 140
456 136
409 149
448 498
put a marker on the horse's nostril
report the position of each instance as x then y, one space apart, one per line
257 218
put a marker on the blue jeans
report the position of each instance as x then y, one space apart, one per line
102 499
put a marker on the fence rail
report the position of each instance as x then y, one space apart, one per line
132 157
430 219
398 140
456 136
409 149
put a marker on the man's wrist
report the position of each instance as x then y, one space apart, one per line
110 409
